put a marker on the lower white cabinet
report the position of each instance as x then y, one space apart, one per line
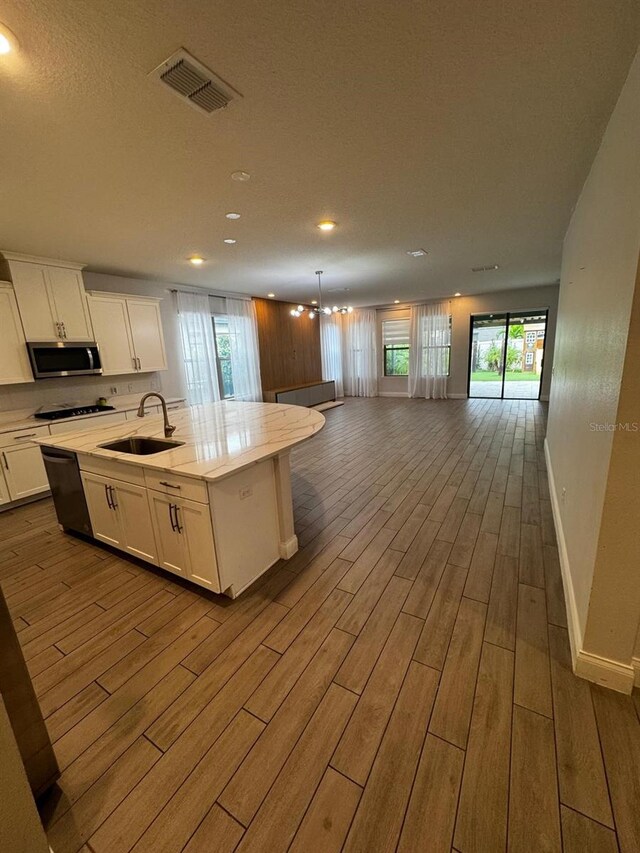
120 515
22 464
4 491
184 538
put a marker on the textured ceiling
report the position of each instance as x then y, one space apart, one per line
465 128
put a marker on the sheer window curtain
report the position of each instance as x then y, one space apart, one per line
198 348
429 338
245 357
359 353
331 349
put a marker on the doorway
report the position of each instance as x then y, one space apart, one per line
506 355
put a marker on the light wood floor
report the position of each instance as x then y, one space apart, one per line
402 683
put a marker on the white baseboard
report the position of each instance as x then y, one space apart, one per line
609 673
288 548
456 396
393 393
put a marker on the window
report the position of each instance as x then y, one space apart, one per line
528 359
223 355
436 353
395 342
530 338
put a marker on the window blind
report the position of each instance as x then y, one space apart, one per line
395 332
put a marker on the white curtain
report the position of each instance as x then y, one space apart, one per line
198 348
243 343
331 348
429 340
359 353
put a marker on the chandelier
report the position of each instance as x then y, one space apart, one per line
314 310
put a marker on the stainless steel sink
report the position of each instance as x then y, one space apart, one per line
140 445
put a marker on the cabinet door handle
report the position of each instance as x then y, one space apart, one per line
135 366
107 496
171 521
64 330
59 329
178 525
139 364
169 485
112 492
4 459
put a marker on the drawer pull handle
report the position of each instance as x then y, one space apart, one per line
24 437
4 459
169 485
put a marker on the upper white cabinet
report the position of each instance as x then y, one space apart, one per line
51 298
128 330
14 362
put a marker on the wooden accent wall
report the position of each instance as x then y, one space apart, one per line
289 346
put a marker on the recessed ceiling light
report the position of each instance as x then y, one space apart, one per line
229 240
8 41
232 215
486 268
457 293
196 260
417 253
326 225
271 295
240 176
314 301
396 301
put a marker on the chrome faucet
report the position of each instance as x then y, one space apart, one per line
168 429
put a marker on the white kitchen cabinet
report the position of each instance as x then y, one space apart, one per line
184 538
5 497
120 515
113 334
51 299
146 331
22 463
24 471
129 333
14 361
104 518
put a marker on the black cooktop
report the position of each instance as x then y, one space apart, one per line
57 414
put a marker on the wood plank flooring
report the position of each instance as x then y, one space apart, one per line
402 683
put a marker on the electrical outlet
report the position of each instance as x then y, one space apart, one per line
114 389
245 492
130 387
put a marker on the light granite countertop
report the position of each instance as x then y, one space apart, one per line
24 418
219 438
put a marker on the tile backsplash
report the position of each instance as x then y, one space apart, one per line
81 390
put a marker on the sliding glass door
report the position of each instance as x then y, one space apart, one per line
506 355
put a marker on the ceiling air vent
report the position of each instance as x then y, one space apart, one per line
194 82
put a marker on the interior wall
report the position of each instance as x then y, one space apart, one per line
289 346
462 308
599 265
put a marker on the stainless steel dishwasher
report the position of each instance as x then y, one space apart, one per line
66 489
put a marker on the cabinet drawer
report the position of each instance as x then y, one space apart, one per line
179 487
112 468
10 439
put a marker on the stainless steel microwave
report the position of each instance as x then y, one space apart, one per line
64 358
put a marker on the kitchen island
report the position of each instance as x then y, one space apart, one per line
216 509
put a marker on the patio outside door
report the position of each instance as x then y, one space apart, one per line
507 354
